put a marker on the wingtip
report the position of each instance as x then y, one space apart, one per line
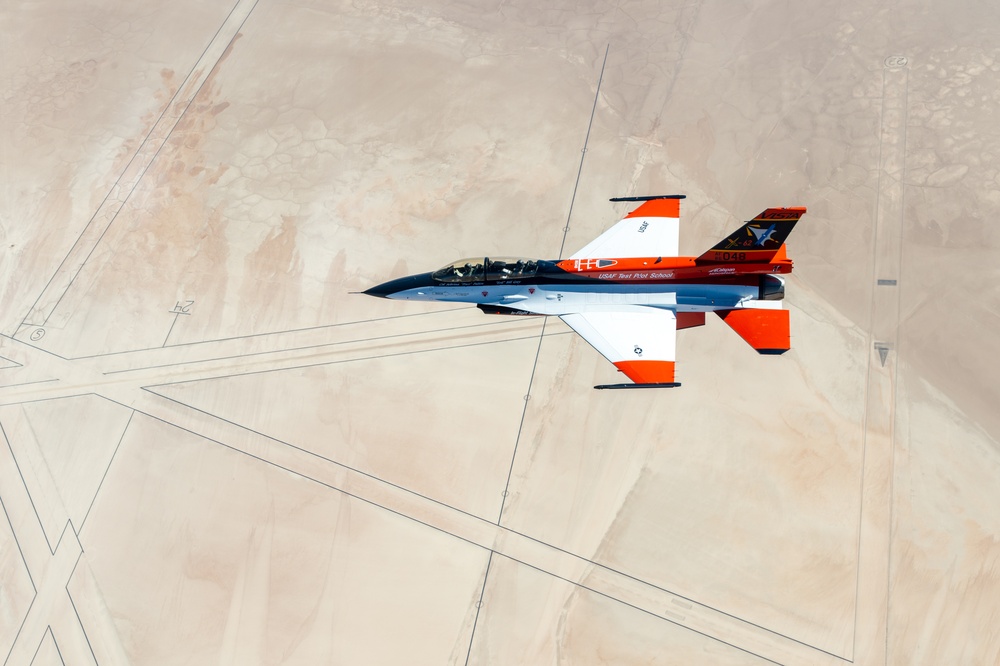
602 387
650 198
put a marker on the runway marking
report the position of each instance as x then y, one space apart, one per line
53 612
105 215
479 606
364 342
55 646
7 363
49 568
583 152
87 376
467 527
83 523
250 338
120 376
562 246
874 579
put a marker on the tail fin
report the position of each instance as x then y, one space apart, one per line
756 241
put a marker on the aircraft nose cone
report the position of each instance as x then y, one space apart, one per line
393 287
379 290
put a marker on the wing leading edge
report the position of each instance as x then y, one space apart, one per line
640 341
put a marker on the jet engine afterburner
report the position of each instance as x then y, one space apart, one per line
772 288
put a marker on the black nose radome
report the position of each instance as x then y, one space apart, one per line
387 289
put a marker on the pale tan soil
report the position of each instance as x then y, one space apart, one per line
213 453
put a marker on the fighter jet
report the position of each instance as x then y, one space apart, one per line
628 293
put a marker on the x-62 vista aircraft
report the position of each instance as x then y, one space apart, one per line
627 292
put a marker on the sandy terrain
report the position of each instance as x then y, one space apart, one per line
212 452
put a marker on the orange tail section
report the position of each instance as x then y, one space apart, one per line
767 331
759 240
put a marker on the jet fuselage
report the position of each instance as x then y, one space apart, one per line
521 286
627 292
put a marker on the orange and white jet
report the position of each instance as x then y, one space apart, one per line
627 292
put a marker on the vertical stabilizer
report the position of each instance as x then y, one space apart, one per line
757 241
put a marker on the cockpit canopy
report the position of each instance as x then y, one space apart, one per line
484 268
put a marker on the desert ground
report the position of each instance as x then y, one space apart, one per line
214 453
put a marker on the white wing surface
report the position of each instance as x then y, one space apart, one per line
640 341
651 230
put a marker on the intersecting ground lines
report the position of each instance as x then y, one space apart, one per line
48 650
50 570
124 387
231 358
522 548
562 246
135 170
538 348
41 494
121 376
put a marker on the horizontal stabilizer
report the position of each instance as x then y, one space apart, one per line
767 331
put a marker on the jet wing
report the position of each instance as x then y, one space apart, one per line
651 230
640 341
